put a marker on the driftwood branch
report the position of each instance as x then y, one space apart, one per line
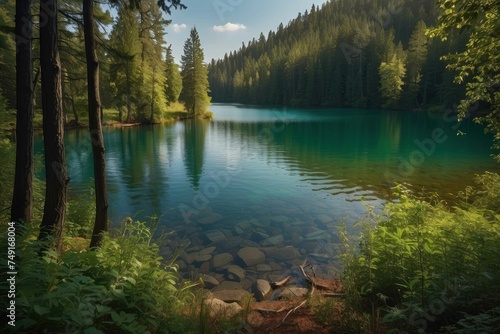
264 310
333 294
281 283
310 279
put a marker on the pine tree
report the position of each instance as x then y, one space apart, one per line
56 176
194 76
416 56
8 45
392 73
125 67
173 84
22 199
152 101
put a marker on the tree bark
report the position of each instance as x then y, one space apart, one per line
56 190
95 126
22 199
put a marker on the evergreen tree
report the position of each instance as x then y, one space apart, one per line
332 57
173 84
22 200
95 125
8 51
392 73
56 179
125 67
151 36
416 56
194 76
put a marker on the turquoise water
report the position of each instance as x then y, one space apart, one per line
254 173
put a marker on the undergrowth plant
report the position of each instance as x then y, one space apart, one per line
122 287
427 267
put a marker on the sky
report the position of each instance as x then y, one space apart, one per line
224 24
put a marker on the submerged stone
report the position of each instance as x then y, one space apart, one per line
263 267
235 273
209 219
220 260
210 281
206 251
203 258
230 292
215 235
251 256
262 289
273 241
283 254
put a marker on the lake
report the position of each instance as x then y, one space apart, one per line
270 178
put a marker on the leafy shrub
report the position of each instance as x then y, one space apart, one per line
426 265
122 287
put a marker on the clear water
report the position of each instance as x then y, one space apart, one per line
290 172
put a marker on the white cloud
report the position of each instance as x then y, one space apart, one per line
230 27
179 27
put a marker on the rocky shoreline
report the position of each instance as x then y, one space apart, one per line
238 259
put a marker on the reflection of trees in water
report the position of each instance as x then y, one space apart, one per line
194 146
352 154
144 158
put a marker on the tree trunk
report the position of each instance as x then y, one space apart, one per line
129 106
54 212
95 126
152 104
73 106
22 199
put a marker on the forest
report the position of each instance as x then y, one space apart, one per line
360 53
416 264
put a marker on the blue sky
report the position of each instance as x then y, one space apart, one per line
224 24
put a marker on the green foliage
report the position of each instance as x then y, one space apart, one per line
173 85
331 56
392 73
478 67
80 215
416 57
7 168
125 67
426 265
121 287
8 153
194 76
7 53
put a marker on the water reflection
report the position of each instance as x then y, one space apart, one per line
195 132
281 181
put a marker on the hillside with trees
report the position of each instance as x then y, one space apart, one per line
362 53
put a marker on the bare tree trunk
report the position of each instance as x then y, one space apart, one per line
22 199
56 191
95 126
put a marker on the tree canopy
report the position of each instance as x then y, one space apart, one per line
379 57
478 66
194 76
